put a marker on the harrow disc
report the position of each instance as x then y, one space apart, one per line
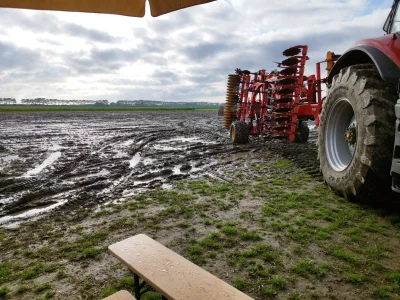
286 81
291 51
290 61
231 98
288 71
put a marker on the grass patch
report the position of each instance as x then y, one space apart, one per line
240 283
283 164
356 279
42 287
229 231
250 236
212 241
346 256
307 268
183 225
278 282
21 289
4 291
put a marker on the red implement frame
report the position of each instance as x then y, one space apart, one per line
274 104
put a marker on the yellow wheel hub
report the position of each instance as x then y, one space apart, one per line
232 133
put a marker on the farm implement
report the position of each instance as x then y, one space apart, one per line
359 119
278 103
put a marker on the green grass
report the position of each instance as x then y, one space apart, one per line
307 268
250 236
278 282
346 256
283 164
212 241
21 289
240 283
42 287
3 292
28 108
288 233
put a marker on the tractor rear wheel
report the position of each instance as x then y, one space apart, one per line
239 132
355 138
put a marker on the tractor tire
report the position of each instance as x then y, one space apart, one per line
302 132
239 132
356 134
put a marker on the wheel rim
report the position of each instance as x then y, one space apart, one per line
341 135
233 133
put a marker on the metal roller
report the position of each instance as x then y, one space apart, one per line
231 98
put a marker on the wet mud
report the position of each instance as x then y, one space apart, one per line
71 160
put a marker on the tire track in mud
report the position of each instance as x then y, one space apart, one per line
90 171
112 156
304 156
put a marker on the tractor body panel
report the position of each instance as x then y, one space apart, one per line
384 52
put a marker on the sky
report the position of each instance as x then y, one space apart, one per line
182 56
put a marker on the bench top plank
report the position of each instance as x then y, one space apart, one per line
169 273
121 295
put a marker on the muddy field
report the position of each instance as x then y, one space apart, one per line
257 216
65 160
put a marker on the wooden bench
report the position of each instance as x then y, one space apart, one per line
173 276
121 295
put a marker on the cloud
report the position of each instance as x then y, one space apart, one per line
14 58
180 56
49 23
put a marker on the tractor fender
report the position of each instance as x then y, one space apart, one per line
362 54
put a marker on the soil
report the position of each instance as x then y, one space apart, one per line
67 160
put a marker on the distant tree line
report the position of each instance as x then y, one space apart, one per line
44 101
7 101
135 103
152 103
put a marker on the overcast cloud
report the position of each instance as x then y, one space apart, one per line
185 55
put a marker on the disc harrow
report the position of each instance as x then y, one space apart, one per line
275 103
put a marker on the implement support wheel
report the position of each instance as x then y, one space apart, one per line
302 132
239 132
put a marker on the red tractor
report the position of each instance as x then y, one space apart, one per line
356 119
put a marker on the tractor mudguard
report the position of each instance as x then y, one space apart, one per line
362 54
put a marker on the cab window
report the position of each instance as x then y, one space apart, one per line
396 21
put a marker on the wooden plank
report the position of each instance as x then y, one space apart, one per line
120 7
121 295
169 273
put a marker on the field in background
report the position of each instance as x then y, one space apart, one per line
33 108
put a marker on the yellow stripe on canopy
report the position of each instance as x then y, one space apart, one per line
133 8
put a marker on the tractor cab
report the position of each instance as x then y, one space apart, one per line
392 24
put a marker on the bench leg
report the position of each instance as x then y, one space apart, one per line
137 286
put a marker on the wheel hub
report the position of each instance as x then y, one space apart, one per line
351 135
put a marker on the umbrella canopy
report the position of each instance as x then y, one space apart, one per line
133 8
